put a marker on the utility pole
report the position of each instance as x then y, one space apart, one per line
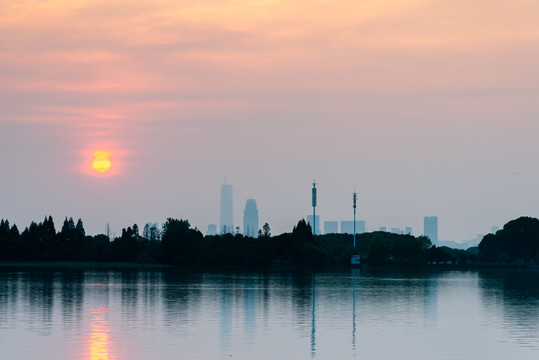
354 197
314 207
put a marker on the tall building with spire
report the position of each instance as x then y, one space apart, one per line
226 214
250 219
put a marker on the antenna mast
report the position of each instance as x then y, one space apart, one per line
314 207
354 198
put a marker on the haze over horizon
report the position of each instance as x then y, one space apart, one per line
423 107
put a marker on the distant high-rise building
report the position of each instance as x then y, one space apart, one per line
310 222
396 231
347 227
250 219
212 230
227 217
408 230
494 229
430 228
383 228
331 227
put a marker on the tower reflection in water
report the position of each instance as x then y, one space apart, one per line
354 272
99 334
313 323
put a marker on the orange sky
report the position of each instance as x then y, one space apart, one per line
379 83
114 51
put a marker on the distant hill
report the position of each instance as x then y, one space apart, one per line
463 245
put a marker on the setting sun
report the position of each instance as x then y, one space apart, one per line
101 161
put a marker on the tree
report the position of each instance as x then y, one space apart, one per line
5 243
136 231
68 225
146 231
154 233
439 254
379 249
424 242
49 238
126 247
518 240
80 228
174 241
14 241
98 248
4 227
266 229
107 230
302 232
489 247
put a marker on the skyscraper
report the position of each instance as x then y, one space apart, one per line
212 230
227 217
396 230
430 228
331 227
250 219
347 227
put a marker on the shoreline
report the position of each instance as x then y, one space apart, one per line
89 265
81 265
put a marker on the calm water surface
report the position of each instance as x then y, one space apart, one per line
364 314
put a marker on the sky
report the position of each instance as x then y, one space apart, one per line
424 107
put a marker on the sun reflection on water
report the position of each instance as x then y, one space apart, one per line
99 334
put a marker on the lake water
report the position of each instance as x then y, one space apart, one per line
363 314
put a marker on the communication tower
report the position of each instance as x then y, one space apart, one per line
314 207
354 198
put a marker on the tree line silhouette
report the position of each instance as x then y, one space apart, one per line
180 244
516 243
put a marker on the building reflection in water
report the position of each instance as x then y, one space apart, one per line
430 301
225 317
250 307
99 334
